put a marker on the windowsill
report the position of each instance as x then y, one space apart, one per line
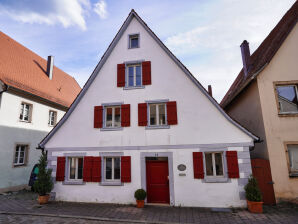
288 114
111 183
18 165
157 127
73 182
133 87
293 175
216 180
112 129
25 121
133 47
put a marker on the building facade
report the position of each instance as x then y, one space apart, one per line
30 106
265 101
143 121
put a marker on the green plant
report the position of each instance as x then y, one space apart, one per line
44 184
252 190
140 194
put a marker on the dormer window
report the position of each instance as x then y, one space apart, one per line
134 41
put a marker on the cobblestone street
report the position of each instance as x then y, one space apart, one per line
21 207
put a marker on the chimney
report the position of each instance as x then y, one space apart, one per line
50 66
210 90
245 56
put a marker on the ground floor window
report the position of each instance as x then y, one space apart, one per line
214 164
20 155
75 168
112 168
293 159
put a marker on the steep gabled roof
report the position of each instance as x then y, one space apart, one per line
23 69
263 55
132 15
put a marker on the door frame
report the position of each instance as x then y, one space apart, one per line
169 155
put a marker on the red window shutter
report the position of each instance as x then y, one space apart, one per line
87 168
96 169
232 161
146 69
60 173
172 112
198 167
120 75
142 113
125 115
98 116
125 169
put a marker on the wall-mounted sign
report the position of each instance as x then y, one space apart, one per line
181 167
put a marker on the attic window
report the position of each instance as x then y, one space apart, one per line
134 41
287 98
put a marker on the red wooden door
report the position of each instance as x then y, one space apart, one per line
157 174
262 172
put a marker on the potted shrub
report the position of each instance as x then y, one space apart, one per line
253 196
140 196
43 184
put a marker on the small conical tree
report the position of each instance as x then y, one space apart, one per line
252 190
44 184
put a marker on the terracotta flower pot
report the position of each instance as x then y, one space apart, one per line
43 199
255 206
140 203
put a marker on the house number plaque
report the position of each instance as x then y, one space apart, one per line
181 167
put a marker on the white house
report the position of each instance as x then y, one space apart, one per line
32 99
143 121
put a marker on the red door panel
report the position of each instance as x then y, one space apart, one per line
157 173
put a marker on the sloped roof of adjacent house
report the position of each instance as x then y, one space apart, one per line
23 69
263 55
103 59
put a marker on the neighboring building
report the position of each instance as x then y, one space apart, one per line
33 98
263 98
143 121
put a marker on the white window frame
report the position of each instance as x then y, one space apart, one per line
22 112
113 116
279 104
54 121
134 75
77 167
133 36
157 114
214 165
292 170
18 150
113 171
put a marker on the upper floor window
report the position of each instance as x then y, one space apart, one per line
134 75
20 155
134 41
157 114
75 168
214 164
112 116
52 118
293 159
26 111
287 98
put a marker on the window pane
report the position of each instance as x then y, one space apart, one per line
293 157
26 112
117 122
130 76
22 111
134 42
16 155
152 112
138 76
209 166
21 160
108 168
72 165
162 114
218 164
287 98
109 112
117 168
80 168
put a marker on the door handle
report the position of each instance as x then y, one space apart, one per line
270 182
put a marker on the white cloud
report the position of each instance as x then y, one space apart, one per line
66 12
101 9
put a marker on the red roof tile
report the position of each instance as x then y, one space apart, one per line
263 54
23 69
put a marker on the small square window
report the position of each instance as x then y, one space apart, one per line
134 41
52 118
293 158
75 167
134 75
287 98
214 164
25 113
112 168
157 114
112 116
20 155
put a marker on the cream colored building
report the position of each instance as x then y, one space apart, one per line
263 98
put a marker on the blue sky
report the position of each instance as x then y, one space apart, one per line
204 34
